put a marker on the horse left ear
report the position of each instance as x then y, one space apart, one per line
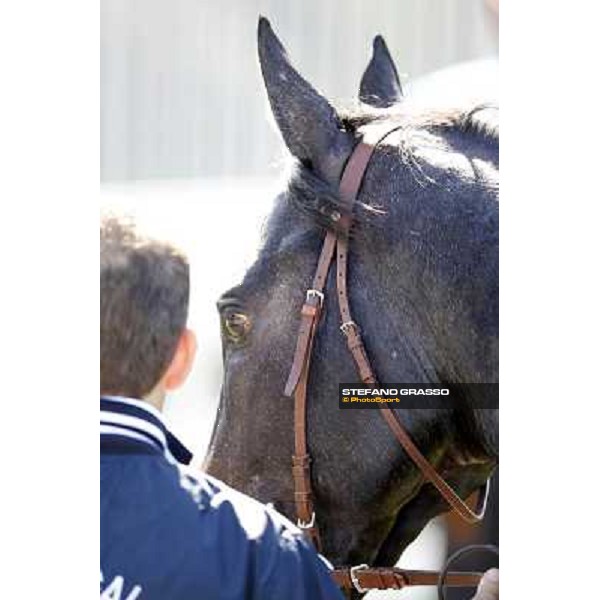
310 126
380 85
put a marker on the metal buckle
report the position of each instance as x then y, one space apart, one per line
354 578
315 294
345 327
303 525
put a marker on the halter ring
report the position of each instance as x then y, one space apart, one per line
310 294
354 578
345 327
306 525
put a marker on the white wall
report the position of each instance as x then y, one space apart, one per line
181 94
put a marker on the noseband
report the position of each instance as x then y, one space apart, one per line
362 578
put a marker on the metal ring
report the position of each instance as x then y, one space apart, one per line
354 578
303 525
459 554
312 293
482 498
344 327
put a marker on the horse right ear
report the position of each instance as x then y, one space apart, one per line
310 126
380 85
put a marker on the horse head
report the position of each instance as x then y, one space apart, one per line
423 283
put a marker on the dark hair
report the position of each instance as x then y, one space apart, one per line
144 295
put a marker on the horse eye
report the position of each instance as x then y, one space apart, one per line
236 326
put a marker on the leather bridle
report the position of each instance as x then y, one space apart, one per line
361 577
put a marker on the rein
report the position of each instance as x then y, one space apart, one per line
361 577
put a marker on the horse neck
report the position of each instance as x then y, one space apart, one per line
440 308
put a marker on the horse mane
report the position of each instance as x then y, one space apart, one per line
481 120
312 195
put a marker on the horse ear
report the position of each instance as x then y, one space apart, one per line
380 84
309 125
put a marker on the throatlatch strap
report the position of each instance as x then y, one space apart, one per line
393 578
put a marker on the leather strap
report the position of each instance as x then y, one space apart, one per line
310 313
349 187
431 475
297 385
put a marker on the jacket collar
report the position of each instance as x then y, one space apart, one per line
137 420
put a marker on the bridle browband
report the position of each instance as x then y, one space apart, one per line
361 577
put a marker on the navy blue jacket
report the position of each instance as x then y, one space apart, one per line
166 535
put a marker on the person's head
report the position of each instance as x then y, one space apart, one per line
145 348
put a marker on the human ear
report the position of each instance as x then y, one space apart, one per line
182 362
